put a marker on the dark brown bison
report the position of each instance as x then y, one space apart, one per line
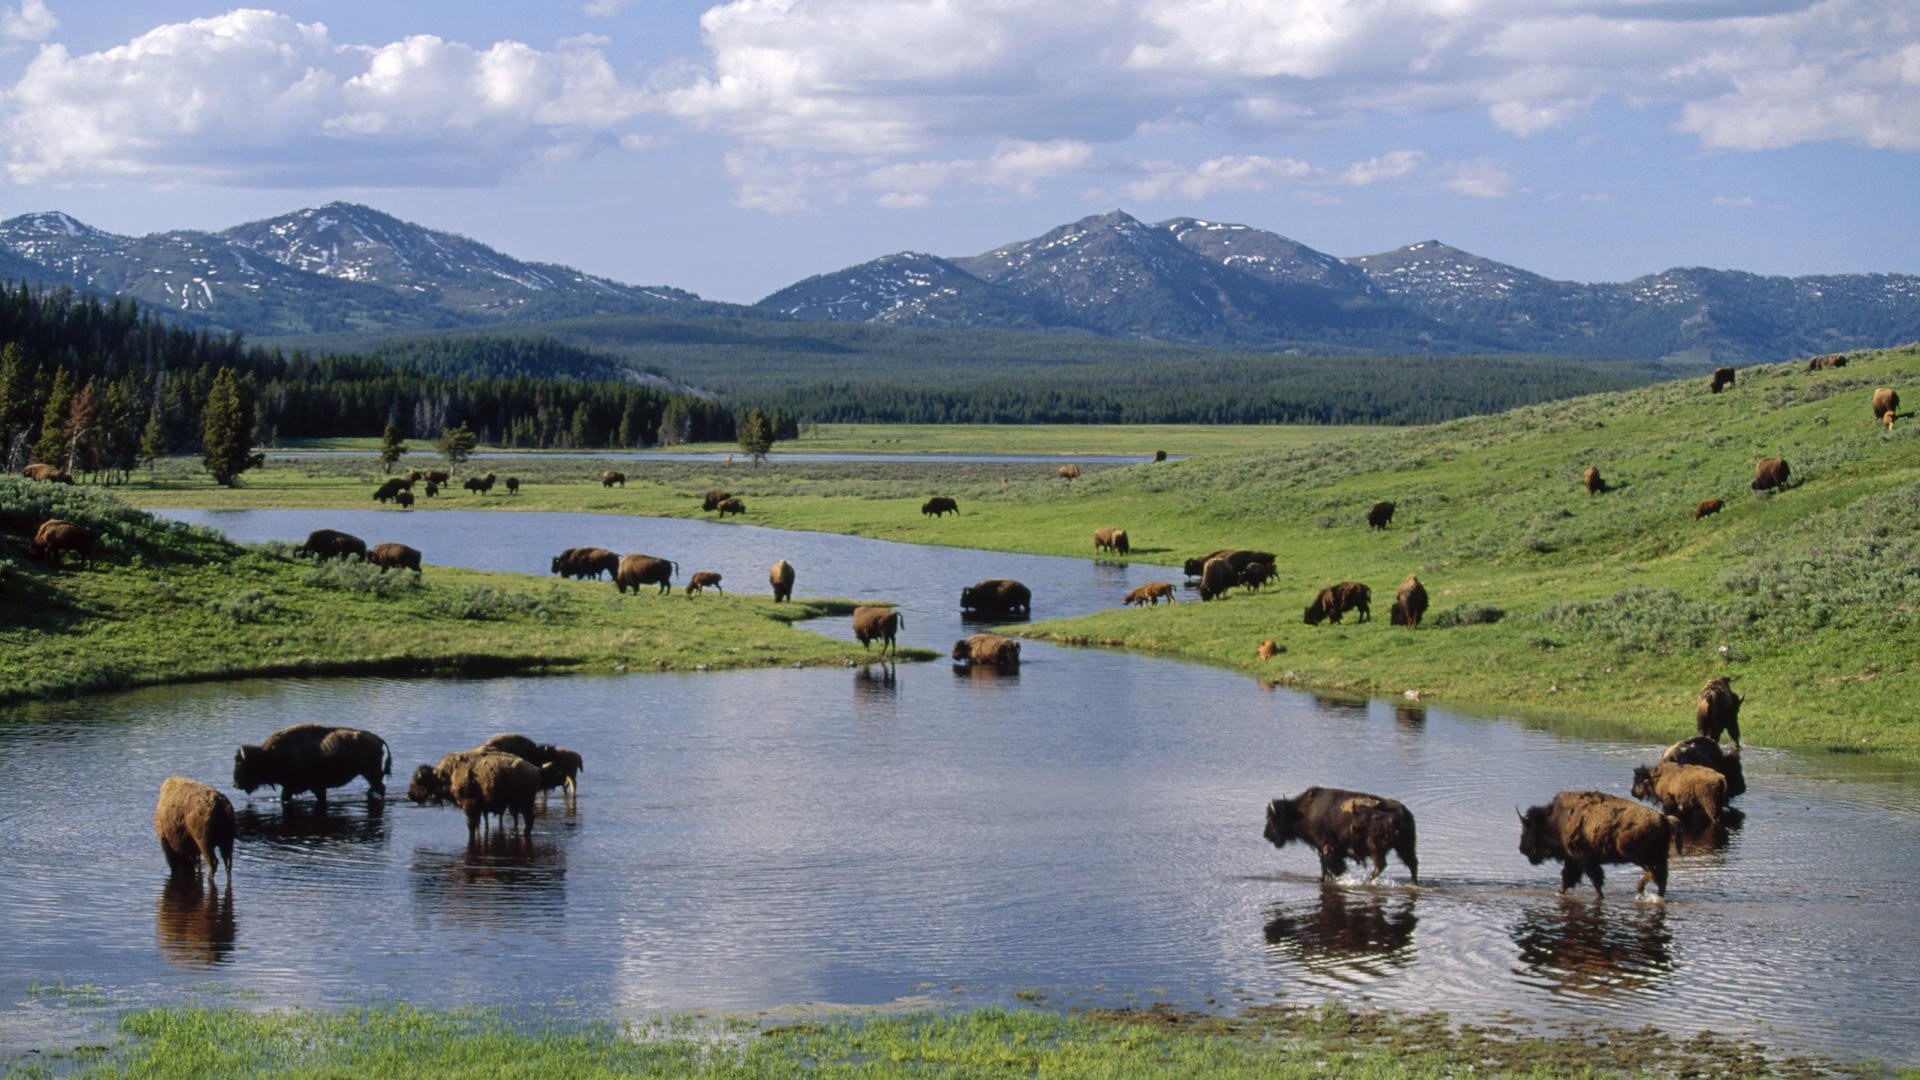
1255 575
404 499
1830 360
781 578
610 477
1594 484
438 476
704 579
1588 829
56 535
1150 594
1335 601
414 476
1238 558
1722 378
1717 709
559 767
637 570
392 489
1682 790
194 822
1769 473
1340 825
314 757
586 562
997 597
52 474
392 556
880 624
480 484
1216 578
433 489
938 505
1700 750
332 544
513 485
730 506
1409 604
1706 508
714 499
1885 403
481 782
1381 515
1107 538
988 650
1159 455
1069 472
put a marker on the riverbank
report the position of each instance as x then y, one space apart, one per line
1271 1041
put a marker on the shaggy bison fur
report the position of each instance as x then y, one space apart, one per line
1069 472
1238 558
714 499
781 578
513 485
586 562
1717 709
392 556
194 822
610 477
997 596
404 499
1409 604
1591 479
481 782
1335 601
1682 790
1722 378
1149 595
1769 473
314 757
1588 829
1216 578
1340 825
938 505
1254 575
1886 401
332 544
637 570
52 474
559 766
880 624
1706 508
988 650
56 535
1700 750
1381 515
1107 538
704 579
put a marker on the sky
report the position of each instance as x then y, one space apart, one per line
734 148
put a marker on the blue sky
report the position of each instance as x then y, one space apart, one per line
734 148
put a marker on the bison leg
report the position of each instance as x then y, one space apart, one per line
1658 876
1332 865
1596 875
1379 866
1570 872
177 862
1407 856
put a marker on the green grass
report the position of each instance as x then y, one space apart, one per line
1331 1039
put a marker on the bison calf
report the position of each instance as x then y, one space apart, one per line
1706 507
194 822
1341 825
1149 595
704 579
1588 829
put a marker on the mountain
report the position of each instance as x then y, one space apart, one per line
909 289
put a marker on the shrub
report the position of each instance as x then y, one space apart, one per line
486 602
363 578
251 606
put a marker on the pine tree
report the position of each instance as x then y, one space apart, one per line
391 447
228 428
153 438
756 435
81 431
17 414
456 445
51 447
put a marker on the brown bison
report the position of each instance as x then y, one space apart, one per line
52 474
714 499
1886 401
1587 829
987 650
314 757
1682 790
326 544
1149 595
1700 750
1159 455
1830 360
1722 378
1107 538
1069 472
1238 558
997 597
1335 601
1267 649
480 484
438 476
513 485
1706 508
730 506
1409 604
1769 473
481 782
637 570
704 579
56 535
1381 515
586 562
559 767
1255 575
880 624
392 556
781 578
433 489
392 489
610 477
1216 578
1717 709
1340 825
194 822
1594 484
938 505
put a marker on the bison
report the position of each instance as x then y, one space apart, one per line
1409 604
1830 360
704 579
314 757
637 570
880 624
52 474
480 484
1886 401
730 506
1682 790
326 544
1707 507
392 556
988 650
997 597
1069 472
938 505
1700 750
1769 473
1107 538
438 476
781 578
1717 709
1267 649
194 822
404 499
1149 595
1381 515
1594 484
1216 578
610 477
56 535
481 782
1587 829
1254 575
714 499
1341 825
513 485
1335 601
586 562
433 489
1238 558
392 489
1722 378
559 767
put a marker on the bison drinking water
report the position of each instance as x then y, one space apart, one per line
1701 750
1341 825
194 822
314 757
1587 829
481 782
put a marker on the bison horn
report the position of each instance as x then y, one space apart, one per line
1521 814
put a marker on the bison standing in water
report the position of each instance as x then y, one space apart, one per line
194 822
1587 829
880 624
1701 750
1769 473
559 766
781 578
988 650
481 782
997 597
1149 595
1341 825
1682 790
314 757
1717 709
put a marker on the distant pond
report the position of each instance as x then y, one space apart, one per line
1088 828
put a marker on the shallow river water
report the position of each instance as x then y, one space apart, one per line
1088 828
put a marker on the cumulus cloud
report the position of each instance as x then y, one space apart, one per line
255 98
31 21
1256 173
1480 178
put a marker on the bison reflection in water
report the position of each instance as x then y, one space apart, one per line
1575 947
194 923
500 881
1412 717
1343 930
874 682
296 826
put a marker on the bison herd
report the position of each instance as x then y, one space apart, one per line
399 489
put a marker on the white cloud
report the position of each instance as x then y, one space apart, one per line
31 21
254 98
1742 201
1480 178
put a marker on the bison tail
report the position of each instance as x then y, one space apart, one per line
386 759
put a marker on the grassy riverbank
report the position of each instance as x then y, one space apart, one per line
165 603
1269 1042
